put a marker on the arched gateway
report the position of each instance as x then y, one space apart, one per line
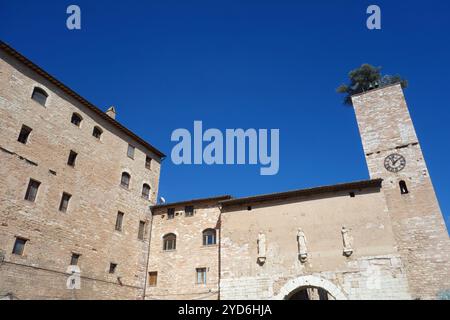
310 288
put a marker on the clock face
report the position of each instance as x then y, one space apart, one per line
394 163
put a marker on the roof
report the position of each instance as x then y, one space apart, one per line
376 183
376 89
191 202
13 53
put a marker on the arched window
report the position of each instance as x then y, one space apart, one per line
97 132
125 181
146 191
403 187
209 237
39 96
76 119
169 242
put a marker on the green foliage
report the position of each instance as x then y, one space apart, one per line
365 78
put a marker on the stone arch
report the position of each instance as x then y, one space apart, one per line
310 281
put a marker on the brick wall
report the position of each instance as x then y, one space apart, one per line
386 127
374 270
177 268
88 226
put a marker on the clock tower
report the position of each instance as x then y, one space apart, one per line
393 153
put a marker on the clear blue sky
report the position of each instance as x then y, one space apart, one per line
246 64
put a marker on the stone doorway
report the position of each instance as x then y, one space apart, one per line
295 288
310 293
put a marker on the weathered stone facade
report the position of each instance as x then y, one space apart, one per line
361 240
177 268
421 235
88 226
373 271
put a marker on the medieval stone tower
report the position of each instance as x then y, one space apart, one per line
393 153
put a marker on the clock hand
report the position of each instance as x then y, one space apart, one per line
394 162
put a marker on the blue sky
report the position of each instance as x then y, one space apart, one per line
246 64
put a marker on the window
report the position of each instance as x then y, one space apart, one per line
125 181
32 190
112 268
39 96
201 275
72 157
170 213
74 259
152 278
24 134
189 211
130 151
119 221
209 237
76 119
97 132
148 162
403 187
169 242
64 202
19 246
146 191
141 230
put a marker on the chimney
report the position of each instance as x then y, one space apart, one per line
111 112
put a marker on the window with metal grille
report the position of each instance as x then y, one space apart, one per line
201 275
209 237
169 242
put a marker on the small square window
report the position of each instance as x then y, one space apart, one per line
152 278
24 134
112 268
97 132
76 119
19 246
74 259
130 151
189 211
148 162
33 187
39 96
170 213
72 158
64 204
201 275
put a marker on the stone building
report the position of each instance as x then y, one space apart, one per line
76 187
78 207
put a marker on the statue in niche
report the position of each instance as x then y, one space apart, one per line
347 240
261 248
302 250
